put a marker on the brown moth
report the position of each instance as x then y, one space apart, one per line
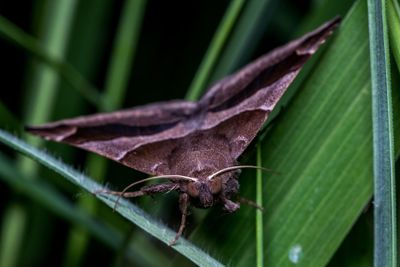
195 145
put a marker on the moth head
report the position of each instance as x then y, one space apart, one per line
205 191
222 183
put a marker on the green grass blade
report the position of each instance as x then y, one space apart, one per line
125 208
43 82
13 221
393 14
42 89
202 76
259 213
85 47
116 83
123 53
247 33
385 248
15 35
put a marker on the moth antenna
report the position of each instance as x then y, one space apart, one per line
228 169
172 176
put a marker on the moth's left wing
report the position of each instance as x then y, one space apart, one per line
238 105
118 135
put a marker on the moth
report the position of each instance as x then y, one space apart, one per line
193 145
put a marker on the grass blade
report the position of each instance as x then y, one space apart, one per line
43 90
385 248
123 53
259 213
125 208
252 22
116 83
393 14
202 76
15 35
12 224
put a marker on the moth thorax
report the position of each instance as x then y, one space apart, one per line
201 163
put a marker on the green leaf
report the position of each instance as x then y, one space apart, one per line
125 208
385 247
259 215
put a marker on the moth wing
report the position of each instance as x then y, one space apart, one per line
118 135
238 105
224 121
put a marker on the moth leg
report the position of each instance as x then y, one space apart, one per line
118 193
146 190
250 203
229 205
183 205
152 189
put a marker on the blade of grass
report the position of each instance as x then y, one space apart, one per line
86 45
125 208
14 220
115 86
321 11
123 53
55 202
385 247
356 249
220 37
15 35
43 82
259 213
395 80
252 22
43 88
86 42
393 14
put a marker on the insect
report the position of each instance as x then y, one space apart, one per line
193 145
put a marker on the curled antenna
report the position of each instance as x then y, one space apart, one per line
228 169
172 176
